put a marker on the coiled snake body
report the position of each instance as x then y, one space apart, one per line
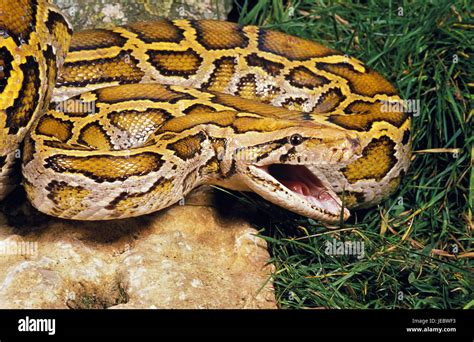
143 114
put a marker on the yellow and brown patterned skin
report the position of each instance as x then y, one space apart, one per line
259 64
34 38
120 160
167 106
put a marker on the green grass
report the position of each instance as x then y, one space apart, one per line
418 244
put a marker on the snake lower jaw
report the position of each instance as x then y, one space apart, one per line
296 188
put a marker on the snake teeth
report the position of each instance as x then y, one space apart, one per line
304 192
300 180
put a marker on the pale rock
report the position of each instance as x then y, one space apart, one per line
187 256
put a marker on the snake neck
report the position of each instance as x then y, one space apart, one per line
197 158
205 159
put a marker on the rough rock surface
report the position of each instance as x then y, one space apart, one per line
106 13
187 256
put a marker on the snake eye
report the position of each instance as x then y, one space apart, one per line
295 139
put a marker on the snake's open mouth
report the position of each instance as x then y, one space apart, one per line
307 186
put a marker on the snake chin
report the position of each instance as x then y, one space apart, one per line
310 194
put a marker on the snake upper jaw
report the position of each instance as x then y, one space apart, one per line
296 188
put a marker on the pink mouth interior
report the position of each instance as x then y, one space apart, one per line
300 180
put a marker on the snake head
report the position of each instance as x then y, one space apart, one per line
276 167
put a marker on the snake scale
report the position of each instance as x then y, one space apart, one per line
121 122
